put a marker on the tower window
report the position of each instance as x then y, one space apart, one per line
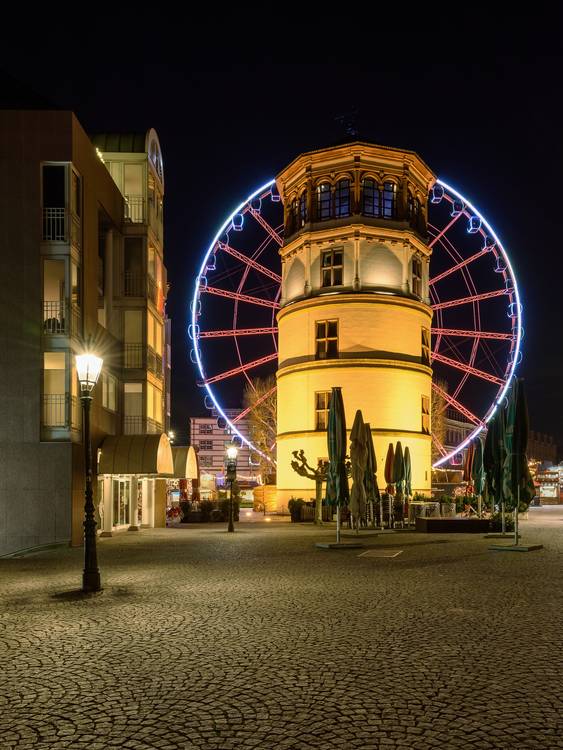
322 405
417 277
389 200
303 208
324 199
426 415
332 267
326 339
425 356
370 198
342 198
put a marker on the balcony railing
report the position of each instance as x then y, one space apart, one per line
55 225
154 362
141 426
55 319
152 289
135 209
133 285
133 356
55 410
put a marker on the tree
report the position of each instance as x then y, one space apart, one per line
262 424
438 412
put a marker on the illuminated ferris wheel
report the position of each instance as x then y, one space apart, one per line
476 328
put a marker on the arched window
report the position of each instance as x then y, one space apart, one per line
303 208
389 200
342 198
370 198
410 205
324 200
293 217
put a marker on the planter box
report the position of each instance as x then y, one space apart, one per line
453 525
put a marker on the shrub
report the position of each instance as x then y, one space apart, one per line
224 508
496 522
184 509
205 506
294 508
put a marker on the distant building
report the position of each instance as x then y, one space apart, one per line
542 447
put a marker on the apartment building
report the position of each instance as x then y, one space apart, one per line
82 266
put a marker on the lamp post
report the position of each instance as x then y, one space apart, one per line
232 451
88 367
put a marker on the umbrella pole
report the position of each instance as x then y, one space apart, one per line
516 516
338 524
502 518
480 505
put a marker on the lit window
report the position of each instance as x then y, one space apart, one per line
324 200
322 405
331 268
389 200
303 208
417 277
206 445
326 339
206 429
426 415
425 356
370 198
342 198
109 392
205 460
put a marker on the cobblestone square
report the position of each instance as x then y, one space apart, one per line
203 639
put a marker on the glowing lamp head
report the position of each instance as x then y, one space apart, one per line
232 452
88 367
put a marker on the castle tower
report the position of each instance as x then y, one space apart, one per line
355 306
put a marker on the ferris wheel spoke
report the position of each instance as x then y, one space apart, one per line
445 229
459 265
473 334
271 231
457 405
472 298
249 262
254 405
436 357
439 445
238 370
229 333
240 297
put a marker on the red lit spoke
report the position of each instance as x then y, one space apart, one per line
235 332
473 334
456 404
240 297
254 405
439 445
436 357
249 262
444 230
242 368
459 265
271 231
473 298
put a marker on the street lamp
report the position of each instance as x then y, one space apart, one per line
89 367
232 451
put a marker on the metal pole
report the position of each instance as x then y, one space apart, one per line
91 575
231 514
516 516
338 524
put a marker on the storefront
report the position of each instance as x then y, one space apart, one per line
132 482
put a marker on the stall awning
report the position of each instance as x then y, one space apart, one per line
141 455
185 462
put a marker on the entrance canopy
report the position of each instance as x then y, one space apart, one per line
185 462
140 455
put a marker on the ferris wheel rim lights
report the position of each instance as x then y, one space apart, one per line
516 355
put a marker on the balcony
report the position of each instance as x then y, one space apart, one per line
133 356
60 410
57 321
56 224
141 426
135 209
154 362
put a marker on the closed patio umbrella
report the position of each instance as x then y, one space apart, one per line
478 472
359 460
398 479
372 490
389 489
408 478
337 491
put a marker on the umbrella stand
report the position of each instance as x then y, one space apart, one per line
515 547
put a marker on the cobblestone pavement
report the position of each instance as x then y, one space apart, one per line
203 639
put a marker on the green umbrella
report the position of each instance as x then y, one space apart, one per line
337 492
408 479
478 471
398 478
389 489
493 459
370 480
358 460
515 466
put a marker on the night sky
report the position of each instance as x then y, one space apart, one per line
489 124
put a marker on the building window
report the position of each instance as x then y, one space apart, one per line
389 200
417 277
109 391
121 489
324 199
205 460
206 429
342 198
332 267
303 208
206 445
426 415
425 356
322 405
370 198
326 339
